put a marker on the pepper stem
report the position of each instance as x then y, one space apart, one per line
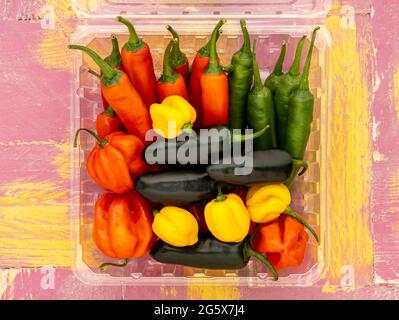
296 65
258 81
168 75
278 69
298 165
109 73
110 112
297 217
246 47
101 142
178 58
304 84
252 136
97 75
213 57
221 196
204 51
133 38
155 212
188 127
249 252
107 264
114 59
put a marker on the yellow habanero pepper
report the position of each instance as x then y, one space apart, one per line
172 116
266 203
175 226
227 218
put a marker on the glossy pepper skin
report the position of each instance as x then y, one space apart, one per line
240 81
214 89
115 61
123 97
108 122
199 66
289 83
260 112
123 225
172 116
176 226
300 117
269 166
179 60
227 218
114 160
274 79
210 253
283 241
137 60
171 83
266 203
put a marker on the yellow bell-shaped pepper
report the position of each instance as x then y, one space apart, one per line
227 218
172 116
266 203
175 226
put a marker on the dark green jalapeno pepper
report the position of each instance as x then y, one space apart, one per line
240 81
210 253
300 117
274 79
288 84
260 112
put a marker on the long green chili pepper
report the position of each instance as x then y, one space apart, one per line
274 79
260 112
300 117
240 81
289 83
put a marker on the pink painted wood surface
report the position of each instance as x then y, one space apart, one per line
35 118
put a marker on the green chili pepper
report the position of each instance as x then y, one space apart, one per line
260 112
274 79
300 117
289 83
240 81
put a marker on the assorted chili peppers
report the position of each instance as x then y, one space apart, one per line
203 214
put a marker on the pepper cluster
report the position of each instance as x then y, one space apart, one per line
202 216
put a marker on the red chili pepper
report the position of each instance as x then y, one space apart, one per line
171 83
200 64
215 89
197 210
123 97
108 122
137 60
179 60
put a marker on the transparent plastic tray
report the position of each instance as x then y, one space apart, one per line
309 193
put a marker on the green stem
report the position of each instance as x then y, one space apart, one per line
110 112
297 165
249 252
221 196
105 67
304 84
134 43
296 65
213 57
246 47
101 142
97 75
258 81
205 50
293 214
114 59
278 69
178 58
107 264
227 68
155 212
252 136
168 75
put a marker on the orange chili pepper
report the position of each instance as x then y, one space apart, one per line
123 226
283 241
114 159
137 60
199 66
215 89
179 60
171 83
122 96
108 122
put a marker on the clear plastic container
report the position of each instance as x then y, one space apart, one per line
270 22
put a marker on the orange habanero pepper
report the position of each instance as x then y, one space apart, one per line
123 226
